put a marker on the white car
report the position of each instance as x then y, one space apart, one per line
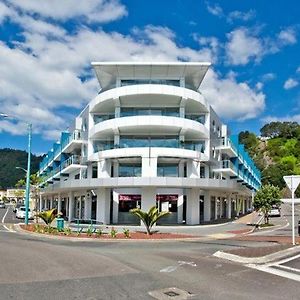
20 214
274 212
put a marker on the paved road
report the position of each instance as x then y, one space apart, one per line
39 268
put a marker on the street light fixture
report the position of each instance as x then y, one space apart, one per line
28 165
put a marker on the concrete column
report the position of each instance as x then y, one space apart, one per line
181 169
103 205
41 204
207 211
88 206
59 204
216 208
180 209
228 203
51 202
193 169
148 198
71 206
192 205
115 207
221 207
243 206
149 166
104 167
67 206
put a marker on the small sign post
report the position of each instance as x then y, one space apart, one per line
292 182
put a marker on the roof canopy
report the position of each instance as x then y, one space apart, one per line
193 72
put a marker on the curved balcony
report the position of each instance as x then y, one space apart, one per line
152 95
147 125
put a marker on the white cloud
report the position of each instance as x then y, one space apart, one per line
4 12
287 36
259 85
290 83
42 74
231 99
98 11
239 15
242 46
268 77
298 70
215 10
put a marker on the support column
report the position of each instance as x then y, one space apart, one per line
207 211
193 169
148 198
104 167
216 208
228 203
149 166
115 207
180 209
71 206
51 202
41 204
103 205
59 204
192 205
88 206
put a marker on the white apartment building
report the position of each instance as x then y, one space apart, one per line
148 138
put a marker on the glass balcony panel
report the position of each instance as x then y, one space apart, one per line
167 170
130 170
197 118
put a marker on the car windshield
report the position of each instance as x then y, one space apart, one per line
24 209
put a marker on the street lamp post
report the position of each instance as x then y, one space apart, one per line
28 167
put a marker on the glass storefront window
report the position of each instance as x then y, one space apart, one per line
130 170
153 111
167 170
126 82
195 117
104 117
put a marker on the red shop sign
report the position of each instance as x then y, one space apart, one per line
127 197
166 197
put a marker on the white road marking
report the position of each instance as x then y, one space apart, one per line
289 268
5 215
3 219
269 268
174 268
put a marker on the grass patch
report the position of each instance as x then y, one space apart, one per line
266 225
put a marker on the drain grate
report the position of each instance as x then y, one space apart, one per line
170 293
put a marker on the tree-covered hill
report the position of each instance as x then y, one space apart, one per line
276 152
9 160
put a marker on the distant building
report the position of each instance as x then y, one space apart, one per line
15 194
149 138
2 194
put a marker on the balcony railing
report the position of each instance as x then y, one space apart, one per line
72 160
74 136
160 143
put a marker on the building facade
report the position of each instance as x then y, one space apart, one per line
148 138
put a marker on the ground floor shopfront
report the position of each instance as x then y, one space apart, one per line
112 206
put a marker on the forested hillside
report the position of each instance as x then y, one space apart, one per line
9 160
276 152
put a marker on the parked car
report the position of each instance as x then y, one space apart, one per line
275 212
20 214
18 205
2 204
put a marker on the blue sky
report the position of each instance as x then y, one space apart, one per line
46 48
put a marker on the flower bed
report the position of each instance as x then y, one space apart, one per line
98 234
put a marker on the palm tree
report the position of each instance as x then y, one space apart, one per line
48 216
149 218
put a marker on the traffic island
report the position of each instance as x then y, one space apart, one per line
99 233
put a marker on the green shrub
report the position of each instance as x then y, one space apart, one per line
67 231
99 232
126 233
113 233
90 231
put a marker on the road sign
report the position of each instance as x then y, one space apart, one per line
292 182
